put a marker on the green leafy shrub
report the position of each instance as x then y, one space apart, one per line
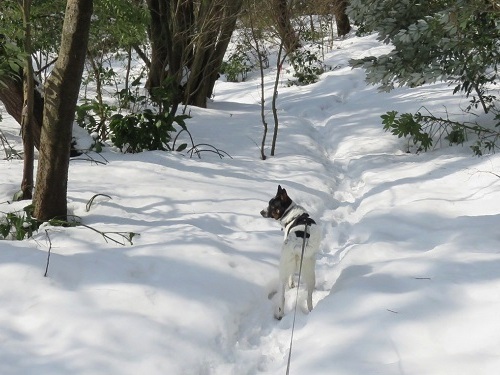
141 122
93 116
238 65
487 138
308 67
425 129
407 125
150 128
11 59
147 130
132 97
18 225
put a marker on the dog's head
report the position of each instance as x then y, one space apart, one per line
277 205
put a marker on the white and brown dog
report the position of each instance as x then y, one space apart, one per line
300 232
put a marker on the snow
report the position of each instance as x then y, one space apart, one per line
407 275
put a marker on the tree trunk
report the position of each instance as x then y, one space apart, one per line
222 22
61 95
279 64
188 41
27 112
159 32
11 95
256 46
341 18
283 15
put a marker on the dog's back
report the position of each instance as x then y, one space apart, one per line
300 230
295 240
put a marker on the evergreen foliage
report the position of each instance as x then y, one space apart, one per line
151 127
18 225
424 130
11 59
307 66
238 65
433 40
46 23
118 24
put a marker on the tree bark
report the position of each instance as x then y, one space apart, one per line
283 15
220 21
11 95
61 95
341 18
256 46
27 112
159 32
279 64
188 40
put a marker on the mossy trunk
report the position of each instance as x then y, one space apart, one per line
61 95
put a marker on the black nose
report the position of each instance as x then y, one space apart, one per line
263 213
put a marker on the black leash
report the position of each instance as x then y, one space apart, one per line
297 298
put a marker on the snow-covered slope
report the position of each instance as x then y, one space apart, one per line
407 279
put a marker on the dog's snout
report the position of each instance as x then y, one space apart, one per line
263 213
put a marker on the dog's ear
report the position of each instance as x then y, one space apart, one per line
283 195
278 193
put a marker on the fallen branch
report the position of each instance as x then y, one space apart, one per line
127 236
48 255
215 150
91 159
89 203
10 152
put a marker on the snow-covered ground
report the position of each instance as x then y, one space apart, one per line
408 277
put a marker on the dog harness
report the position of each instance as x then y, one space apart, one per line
303 219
